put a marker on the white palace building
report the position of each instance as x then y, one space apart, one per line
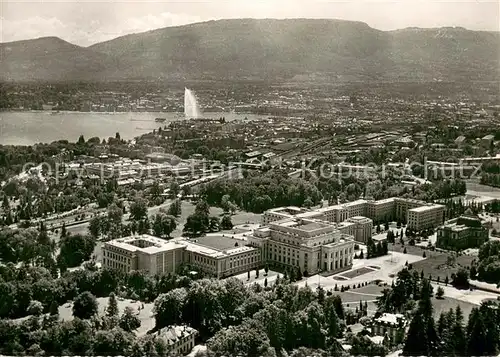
320 240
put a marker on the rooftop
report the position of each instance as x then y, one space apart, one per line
309 227
218 242
361 219
172 334
426 208
144 243
390 319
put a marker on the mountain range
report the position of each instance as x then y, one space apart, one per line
300 49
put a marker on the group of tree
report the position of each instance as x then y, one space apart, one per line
253 321
376 250
200 222
258 192
488 269
74 250
411 294
112 226
21 285
439 189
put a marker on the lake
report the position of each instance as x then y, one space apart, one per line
28 128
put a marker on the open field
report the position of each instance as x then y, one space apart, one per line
476 189
436 265
444 305
145 315
239 218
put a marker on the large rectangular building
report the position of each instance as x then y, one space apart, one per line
215 255
389 209
424 217
310 245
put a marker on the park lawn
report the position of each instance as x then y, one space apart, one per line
188 208
436 265
447 303
145 315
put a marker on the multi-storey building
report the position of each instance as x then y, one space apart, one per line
180 340
341 212
310 245
389 209
424 217
381 210
462 233
403 205
362 228
392 325
218 256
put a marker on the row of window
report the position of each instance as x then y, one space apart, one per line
115 265
242 261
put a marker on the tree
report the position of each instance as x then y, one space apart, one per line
265 282
129 321
175 208
85 305
5 203
457 338
202 208
164 225
35 308
476 331
196 224
53 308
63 231
138 209
175 188
404 251
363 346
461 279
112 308
227 205
74 250
308 203
248 275
266 269
81 140
96 227
246 339
168 308
299 274
226 223
114 222
214 224
439 293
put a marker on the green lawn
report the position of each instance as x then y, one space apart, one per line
238 218
436 265
444 305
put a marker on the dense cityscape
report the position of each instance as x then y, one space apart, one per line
250 218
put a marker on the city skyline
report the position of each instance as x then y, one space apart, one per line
85 23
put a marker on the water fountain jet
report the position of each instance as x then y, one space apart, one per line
191 107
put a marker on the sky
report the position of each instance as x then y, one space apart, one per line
85 22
